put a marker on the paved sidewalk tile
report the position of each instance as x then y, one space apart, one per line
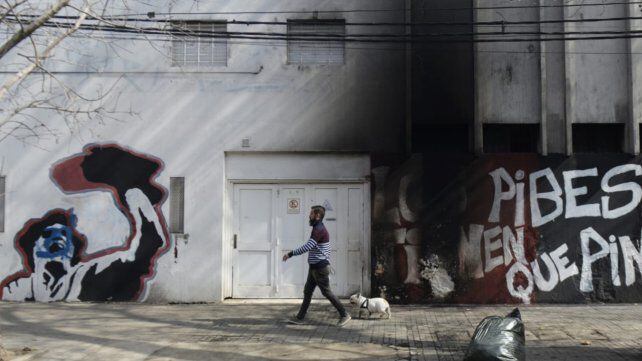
240 331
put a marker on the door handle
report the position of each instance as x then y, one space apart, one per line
235 237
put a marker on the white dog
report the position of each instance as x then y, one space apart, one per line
370 305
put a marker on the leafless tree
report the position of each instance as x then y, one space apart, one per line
31 95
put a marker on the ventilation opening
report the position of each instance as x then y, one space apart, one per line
2 201
440 138
177 205
511 138
598 138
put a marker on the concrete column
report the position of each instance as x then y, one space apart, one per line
478 128
543 89
553 82
569 72
635 81
408 99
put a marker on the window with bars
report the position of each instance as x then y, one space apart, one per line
197 44
312 41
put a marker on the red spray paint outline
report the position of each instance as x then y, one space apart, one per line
79 184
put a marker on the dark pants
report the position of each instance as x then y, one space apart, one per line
319 277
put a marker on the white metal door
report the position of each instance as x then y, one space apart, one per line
254 246
271 220
293 230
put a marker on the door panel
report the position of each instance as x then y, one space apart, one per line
355 218
271 220
253 271
355 229
255 224
292 234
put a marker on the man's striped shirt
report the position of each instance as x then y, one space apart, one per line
318 247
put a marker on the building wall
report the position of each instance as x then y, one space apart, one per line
553 83
434 232
465 225
184 122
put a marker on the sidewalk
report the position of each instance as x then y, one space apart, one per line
238 331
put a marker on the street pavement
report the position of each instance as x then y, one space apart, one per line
257 331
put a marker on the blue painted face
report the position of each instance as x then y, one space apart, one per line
55 242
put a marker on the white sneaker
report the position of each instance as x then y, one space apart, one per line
342 322
295 320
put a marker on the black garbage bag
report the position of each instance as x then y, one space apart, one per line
498 339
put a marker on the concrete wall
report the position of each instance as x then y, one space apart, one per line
459 227
555 83
185 121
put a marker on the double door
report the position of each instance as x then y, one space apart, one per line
270 220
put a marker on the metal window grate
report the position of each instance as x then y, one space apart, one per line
2 201
177 205
191 47
316 52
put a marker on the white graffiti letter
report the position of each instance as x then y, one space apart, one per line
520 292
498 175
573 210
413 264
490 246
634 188
470 261
630 254
540 281
516 242
555 195
519 199
404 209
561 263
586 235
615 262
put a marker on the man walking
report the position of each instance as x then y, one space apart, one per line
318 247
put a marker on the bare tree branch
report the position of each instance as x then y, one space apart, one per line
23 33
36 62
37 105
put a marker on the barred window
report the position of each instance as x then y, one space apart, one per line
196 44
322 51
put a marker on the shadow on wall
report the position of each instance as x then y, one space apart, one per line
517 228
56 266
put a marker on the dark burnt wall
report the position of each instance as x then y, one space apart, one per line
516 228
442 78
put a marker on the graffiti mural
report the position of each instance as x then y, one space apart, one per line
56 265
555 229
510 229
